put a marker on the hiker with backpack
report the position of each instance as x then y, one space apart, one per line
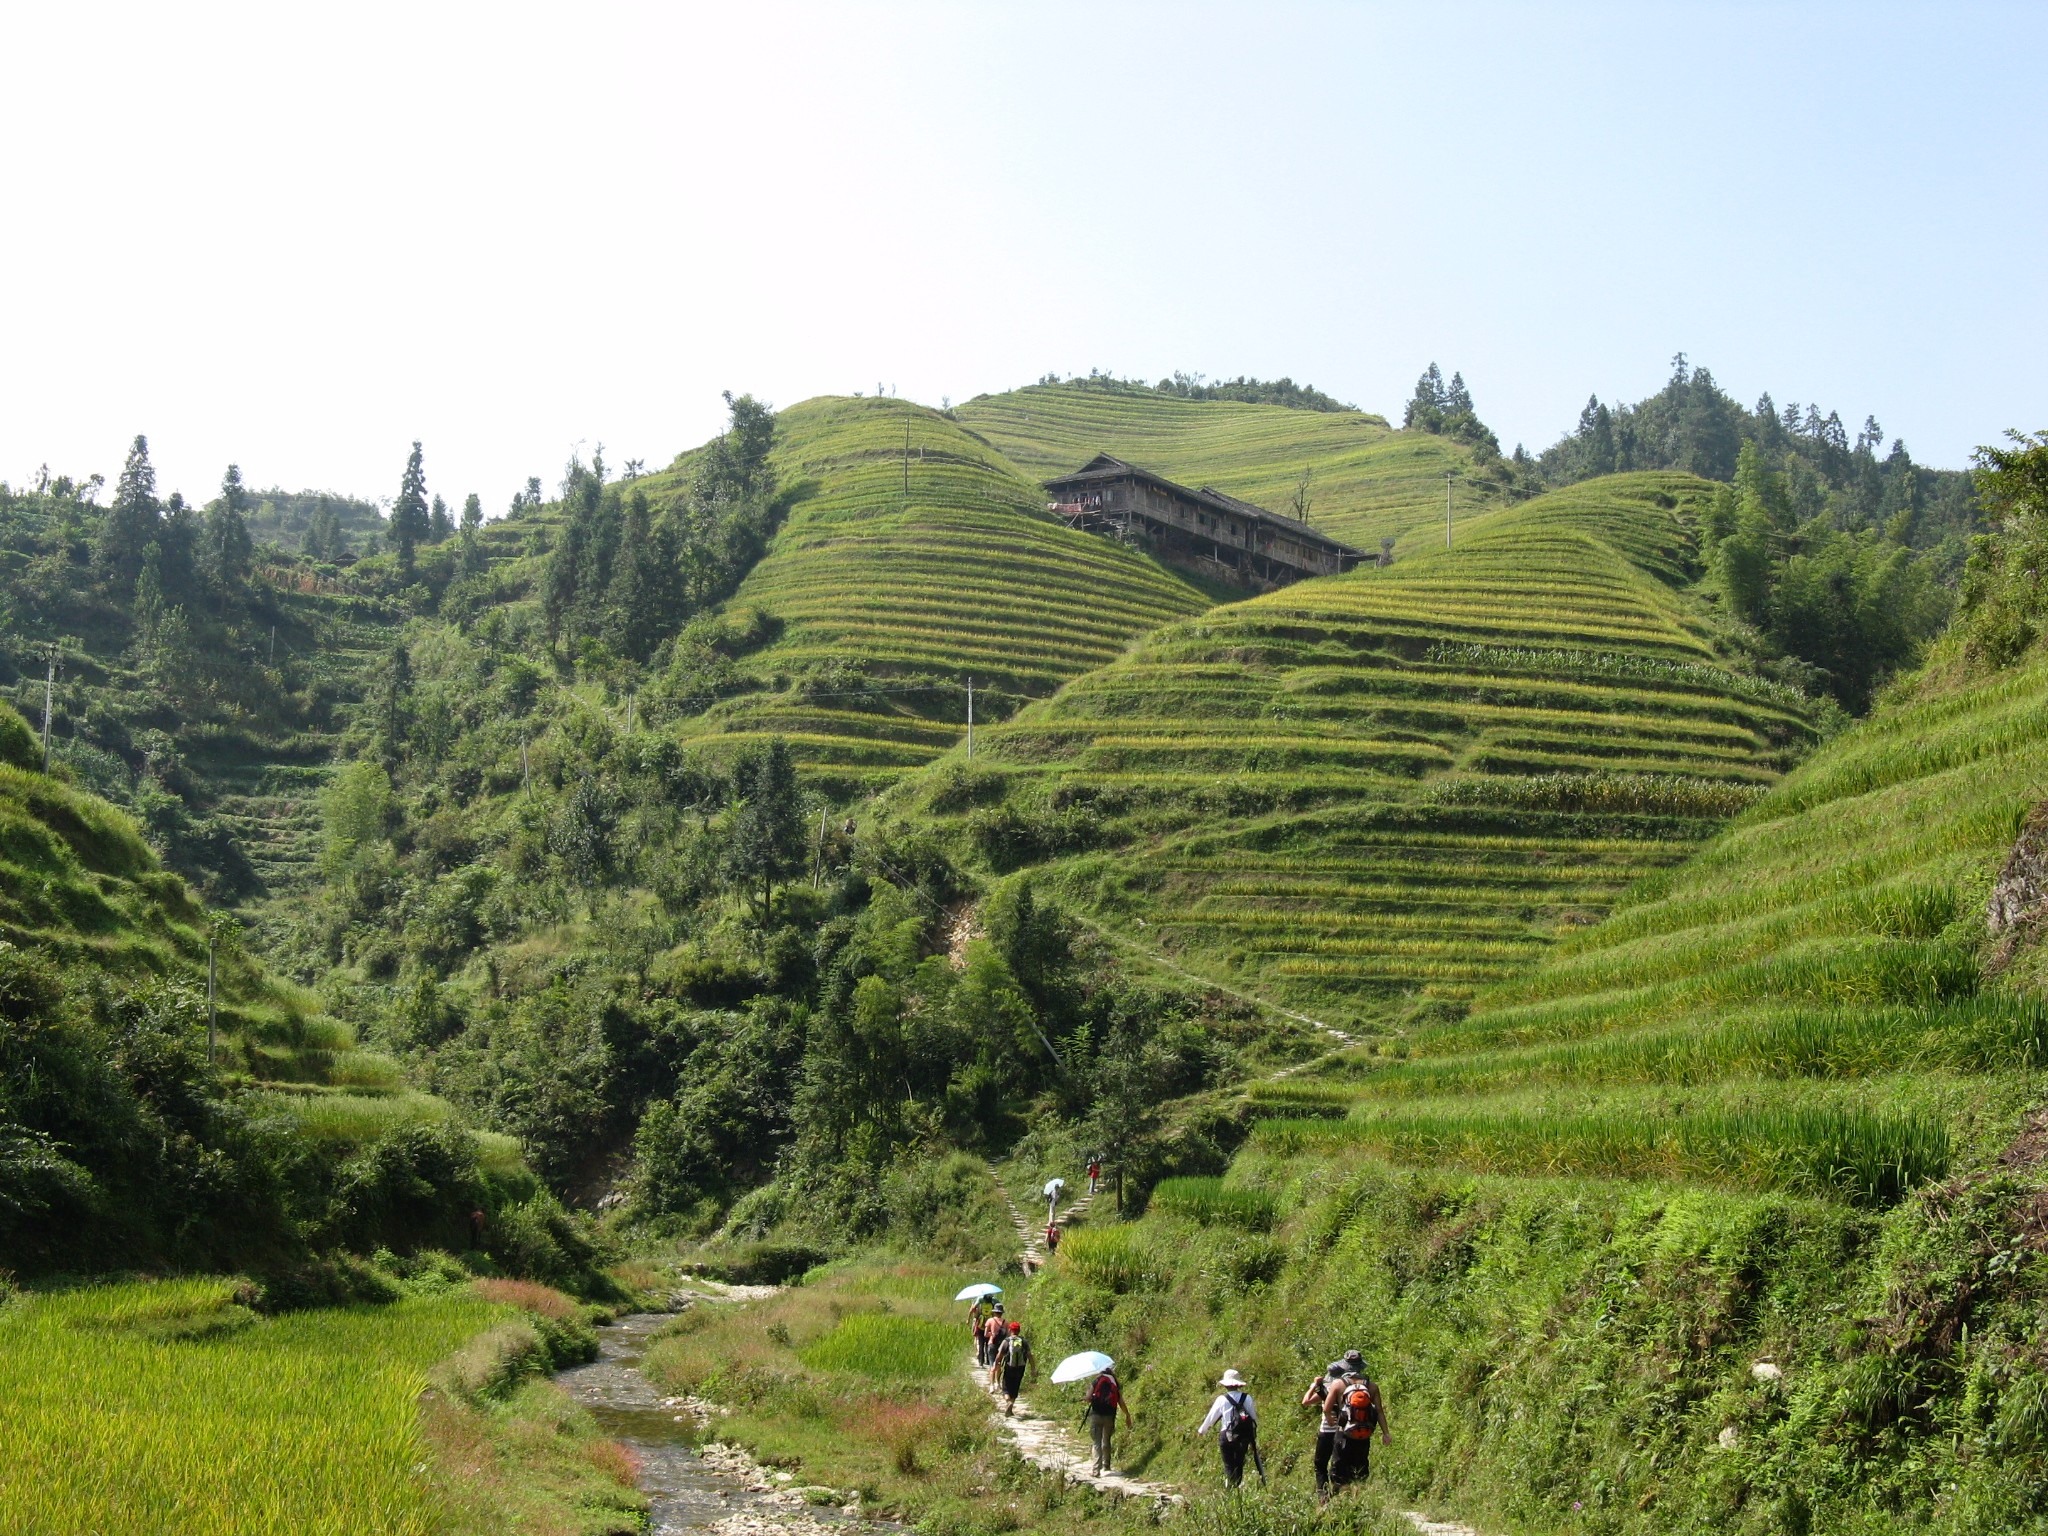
976 1315
1094 1172
992 1331
1329 1422
1015 1360
1052 1238
1238 1419
1361 1408
1105 1397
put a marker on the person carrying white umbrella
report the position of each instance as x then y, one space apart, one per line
1105 1397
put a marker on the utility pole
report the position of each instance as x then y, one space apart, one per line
906 461
630 697
525 779
212 1009
49 704
818 853
273 645
1447 509
970 719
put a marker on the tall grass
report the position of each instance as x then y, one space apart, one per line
1867 1157
1116 1258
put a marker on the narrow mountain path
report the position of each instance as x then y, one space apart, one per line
1029 1233
1343 1037
1050 1444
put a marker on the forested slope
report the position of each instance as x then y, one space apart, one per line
1371 794
1366 481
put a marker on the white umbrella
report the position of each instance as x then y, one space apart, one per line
978 1290
1053 1187
1090 1362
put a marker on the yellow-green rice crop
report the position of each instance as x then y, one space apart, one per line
164 1408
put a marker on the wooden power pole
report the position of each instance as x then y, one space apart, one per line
1447 509
970 719
49 704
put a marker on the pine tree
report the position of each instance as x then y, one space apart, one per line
409 524
767 841
1458 399
472 513
131 523
225 549
440 523
1425 411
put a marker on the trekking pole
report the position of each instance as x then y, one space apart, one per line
1258 1460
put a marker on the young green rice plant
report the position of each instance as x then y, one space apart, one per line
885 1344
1115 1257
1213 1203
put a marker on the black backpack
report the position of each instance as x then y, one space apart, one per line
1238 1423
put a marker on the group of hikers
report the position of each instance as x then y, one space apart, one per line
1350 1407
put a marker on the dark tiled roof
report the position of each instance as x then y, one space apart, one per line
1104 468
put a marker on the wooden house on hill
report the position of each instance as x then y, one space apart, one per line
1204 530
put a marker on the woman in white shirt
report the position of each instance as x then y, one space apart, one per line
1238 1416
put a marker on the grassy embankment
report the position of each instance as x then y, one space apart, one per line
170 1407
1369 796
886 600
1367 481
1726 1216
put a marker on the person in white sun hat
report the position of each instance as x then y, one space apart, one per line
1238 1417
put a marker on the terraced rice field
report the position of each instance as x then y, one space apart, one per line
1368 481
1818 967
889 599
1372 797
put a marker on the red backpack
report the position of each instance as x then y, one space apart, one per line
1102 1394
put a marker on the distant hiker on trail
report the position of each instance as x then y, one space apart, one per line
1329 1425
1016 1360
976 1314
1052 1199
1094 1172
1238 1417
992 1332
476 1229
1360 1409
1105 1397
1052 1238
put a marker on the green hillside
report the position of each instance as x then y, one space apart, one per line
884 601
1725 1215
1392 788
1367 481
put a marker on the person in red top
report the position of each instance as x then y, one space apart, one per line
1052 1238
1094 1173
1105 1397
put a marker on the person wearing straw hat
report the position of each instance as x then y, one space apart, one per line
1238 1416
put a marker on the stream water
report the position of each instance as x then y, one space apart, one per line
689 1492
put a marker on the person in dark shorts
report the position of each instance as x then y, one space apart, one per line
1015 1360
1360 1409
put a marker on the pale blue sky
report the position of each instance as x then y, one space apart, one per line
300 239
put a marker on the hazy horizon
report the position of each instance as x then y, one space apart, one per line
300 241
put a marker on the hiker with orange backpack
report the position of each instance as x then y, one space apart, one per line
1360 1408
